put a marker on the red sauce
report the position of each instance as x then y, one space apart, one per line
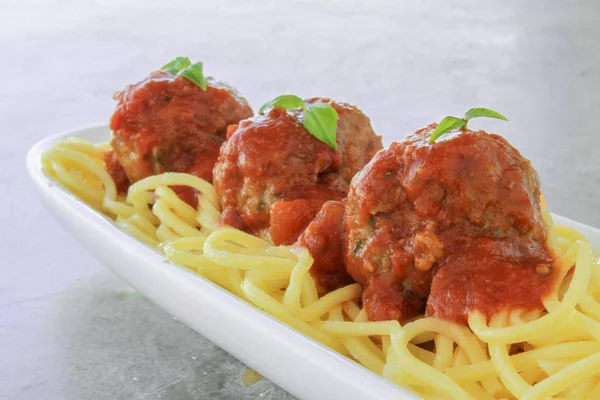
116 171
324 240
187 194
290 218
231 130
385 300
473 281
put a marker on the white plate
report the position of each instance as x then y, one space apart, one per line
292 360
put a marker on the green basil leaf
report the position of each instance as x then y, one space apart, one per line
320 119
176 65
446 125
195 74
287 101
451 123
483 112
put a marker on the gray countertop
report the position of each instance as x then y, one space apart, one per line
70 330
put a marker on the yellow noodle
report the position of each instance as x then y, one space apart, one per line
444 347
291 299
572 374
350 328
328 301
501 361
309 294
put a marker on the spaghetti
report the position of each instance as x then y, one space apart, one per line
527 355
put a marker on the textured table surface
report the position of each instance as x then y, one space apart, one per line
70 330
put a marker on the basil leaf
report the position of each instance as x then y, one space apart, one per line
451 123
176 65
446 125
320 119
182 66
483 112
195 74
287 101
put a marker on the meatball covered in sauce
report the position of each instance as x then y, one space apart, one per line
273 176
448 228
167 123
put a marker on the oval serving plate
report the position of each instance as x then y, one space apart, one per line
300 365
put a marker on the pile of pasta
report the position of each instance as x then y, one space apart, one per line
553 353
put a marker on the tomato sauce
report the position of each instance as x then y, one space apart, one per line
116 171
477 282
324 240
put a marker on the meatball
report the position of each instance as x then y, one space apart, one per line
273 176
167 123
324 240
116 171
463 212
